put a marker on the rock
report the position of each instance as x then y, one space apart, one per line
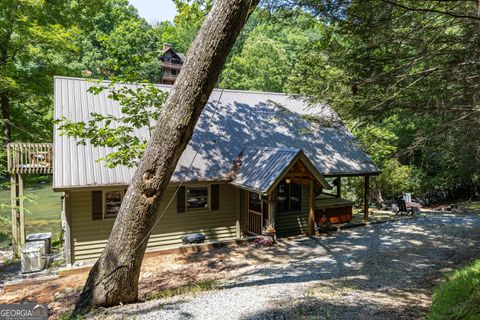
68 290
60 296
147 275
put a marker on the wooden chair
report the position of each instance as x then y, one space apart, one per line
404 209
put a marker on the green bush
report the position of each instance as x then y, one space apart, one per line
459 296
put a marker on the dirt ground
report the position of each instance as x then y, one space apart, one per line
159 272
384 271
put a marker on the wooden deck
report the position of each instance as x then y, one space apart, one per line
376 216
29 158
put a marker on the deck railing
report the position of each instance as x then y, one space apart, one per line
25 158
170 65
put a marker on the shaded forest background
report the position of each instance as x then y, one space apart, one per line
403 75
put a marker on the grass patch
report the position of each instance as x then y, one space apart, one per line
459 296
44 214
193 288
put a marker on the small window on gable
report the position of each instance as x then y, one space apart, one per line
112 202
197 198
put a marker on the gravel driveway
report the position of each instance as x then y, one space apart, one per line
383 271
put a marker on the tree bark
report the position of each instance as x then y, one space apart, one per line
7 127
377 192
114 277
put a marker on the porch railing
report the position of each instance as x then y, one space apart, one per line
254 222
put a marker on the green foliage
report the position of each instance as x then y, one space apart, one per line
121 42
401 73
186 23
459 296
262 65
35 40
140 108
267 52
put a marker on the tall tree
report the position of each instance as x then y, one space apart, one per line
34 40
413 64
114 277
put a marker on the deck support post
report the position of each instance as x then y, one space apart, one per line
18 213
311 210
366 191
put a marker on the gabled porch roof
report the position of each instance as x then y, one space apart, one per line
261 169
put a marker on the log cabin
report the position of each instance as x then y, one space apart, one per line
255 160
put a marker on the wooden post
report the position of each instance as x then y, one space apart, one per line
237 213
311 210
366 191
18 213
339 187
271 208
21 210
68 231
13 204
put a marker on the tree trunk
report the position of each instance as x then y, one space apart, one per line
114 277
377 192
7 127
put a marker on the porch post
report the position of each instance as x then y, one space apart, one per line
365 197
311 210
339 187
237 213
271 208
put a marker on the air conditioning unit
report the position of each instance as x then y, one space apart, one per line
33 256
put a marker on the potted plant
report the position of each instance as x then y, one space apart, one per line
269 232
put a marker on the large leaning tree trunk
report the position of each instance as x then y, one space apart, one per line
114 277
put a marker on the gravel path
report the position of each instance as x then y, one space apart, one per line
383 271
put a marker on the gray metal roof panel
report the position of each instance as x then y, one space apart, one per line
260 167
244 119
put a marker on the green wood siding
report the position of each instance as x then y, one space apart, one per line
90 236
294 223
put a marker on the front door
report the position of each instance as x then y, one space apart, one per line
257 213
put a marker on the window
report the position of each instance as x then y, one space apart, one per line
197 198
112 203
255 202
289 197
106 203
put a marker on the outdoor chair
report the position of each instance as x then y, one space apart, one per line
404 209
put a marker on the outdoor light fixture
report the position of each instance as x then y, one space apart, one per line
287 180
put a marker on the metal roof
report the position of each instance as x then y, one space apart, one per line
243 119
261 168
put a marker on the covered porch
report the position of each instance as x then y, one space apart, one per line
283 193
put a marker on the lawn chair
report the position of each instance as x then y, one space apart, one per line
404 209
